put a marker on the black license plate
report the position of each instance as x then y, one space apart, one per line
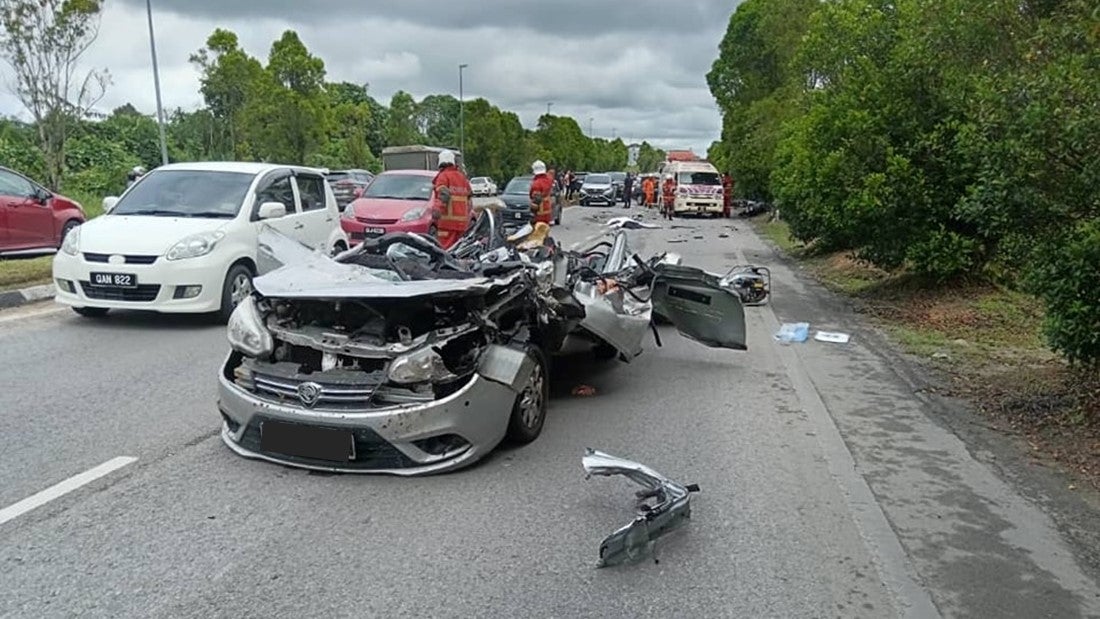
374 231
303 441
114 280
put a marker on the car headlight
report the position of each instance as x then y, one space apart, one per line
195 245
71 243
348 212
246 330
413 214
418 367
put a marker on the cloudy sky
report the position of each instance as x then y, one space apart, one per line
635 67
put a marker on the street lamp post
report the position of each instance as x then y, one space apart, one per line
461 113
156 84
590 134
549 104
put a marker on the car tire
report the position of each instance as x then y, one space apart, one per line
69 225
238 284
339 248
529 410
91 312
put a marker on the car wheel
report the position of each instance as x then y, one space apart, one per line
339 248
238 285
91 312
69 225
529 410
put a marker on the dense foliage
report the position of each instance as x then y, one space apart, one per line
285 110
946 137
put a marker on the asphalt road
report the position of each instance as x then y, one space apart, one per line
828 487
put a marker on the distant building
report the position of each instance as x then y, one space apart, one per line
632 154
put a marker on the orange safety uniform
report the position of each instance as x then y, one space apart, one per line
455 215
542 198
648 190
727 195
669 196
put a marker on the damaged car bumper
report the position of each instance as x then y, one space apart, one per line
345 432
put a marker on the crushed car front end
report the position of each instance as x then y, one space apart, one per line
338 369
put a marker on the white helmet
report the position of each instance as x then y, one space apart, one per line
668 177
446 157
538 167
138 170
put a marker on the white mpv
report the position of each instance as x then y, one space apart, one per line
183 238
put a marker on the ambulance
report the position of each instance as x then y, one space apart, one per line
698 187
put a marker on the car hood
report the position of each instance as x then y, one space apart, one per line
513 200
385 208
141 234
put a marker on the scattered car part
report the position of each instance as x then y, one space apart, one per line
833 338
662 505
752 283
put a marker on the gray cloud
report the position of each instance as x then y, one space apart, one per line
636 68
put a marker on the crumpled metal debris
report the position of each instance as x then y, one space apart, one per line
629 224
662 505
584 391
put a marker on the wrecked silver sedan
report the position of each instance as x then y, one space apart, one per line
400 357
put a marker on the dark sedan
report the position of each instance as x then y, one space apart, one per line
517 201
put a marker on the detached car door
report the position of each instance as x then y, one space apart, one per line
317 219
699 307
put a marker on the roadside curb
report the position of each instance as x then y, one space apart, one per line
15 298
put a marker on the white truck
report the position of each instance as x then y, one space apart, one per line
416 157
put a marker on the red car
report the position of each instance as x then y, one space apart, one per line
33 219
395 201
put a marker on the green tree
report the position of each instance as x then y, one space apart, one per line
287 113
43 41
227 76
437 118
401 126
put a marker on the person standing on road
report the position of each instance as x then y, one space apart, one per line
668 196
648 189
628 188
133 175
727 195
541 194
453 190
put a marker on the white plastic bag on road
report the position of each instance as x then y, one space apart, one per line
793 332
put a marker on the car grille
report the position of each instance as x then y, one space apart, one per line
333 395
133 259
375 221
143 293
371 450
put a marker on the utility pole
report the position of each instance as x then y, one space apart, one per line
590 134
156 84
461 114
549 104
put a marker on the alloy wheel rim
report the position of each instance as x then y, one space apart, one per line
240 289
531 401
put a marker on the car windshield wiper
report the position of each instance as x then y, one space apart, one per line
214 214
158 212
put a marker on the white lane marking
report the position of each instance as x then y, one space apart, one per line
61 489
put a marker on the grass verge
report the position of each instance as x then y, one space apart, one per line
984 341
23 272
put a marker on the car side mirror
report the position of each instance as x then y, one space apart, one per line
42 196
109 203
272 210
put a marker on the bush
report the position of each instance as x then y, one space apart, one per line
943 255
1066 276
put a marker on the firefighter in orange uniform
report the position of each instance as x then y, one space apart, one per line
453 190
648 189
668 195
541 194
727 195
